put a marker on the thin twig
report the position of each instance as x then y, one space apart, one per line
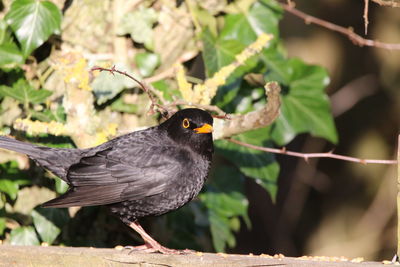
365 16
355 38
398 199
147 89
307 156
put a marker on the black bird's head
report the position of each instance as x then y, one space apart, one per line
191 127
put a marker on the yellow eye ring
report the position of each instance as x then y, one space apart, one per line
185 123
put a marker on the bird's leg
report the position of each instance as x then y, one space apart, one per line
150 245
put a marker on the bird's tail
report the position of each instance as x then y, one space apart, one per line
18 146
56 160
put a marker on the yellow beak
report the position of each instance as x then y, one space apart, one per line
205 128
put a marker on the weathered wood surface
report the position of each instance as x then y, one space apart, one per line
88 257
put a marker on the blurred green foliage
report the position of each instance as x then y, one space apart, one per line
222 206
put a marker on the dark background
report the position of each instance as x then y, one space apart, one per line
325 206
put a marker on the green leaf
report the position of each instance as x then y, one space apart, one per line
121 106
48 115
24 236
24 93
147 63
305 106
218 53
226 94
5 35
220 231
204 18
61 186
33 22
48 222
225 201
2 225
168 92
10 170
106 86
258 165
9 187
10 55
139 24
262 17
11 178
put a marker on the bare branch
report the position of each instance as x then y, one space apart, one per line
212 108
252 120
355 38
390 3
307 156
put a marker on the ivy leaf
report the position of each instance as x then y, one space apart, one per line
220 232
147 63
106 86
305 106
258 165
2 225
5 34
24 236
262 17
225 195
48 115
24 93
225 201
11 178
139 25
218 53
10 55
48 222
9 187
33 22
121 106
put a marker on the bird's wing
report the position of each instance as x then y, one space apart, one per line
122 173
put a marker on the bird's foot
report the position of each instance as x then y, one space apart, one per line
156 248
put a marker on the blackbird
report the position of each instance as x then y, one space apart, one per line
143 173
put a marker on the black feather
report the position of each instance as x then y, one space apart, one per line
148 172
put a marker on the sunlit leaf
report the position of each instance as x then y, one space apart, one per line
25 93
106 86
48 222
33 22
9 187
147 63
10 55
121 106
262 17
48 115
139 24
305 105
24 236
218 53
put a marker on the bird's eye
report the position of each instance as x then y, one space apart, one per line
185 123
